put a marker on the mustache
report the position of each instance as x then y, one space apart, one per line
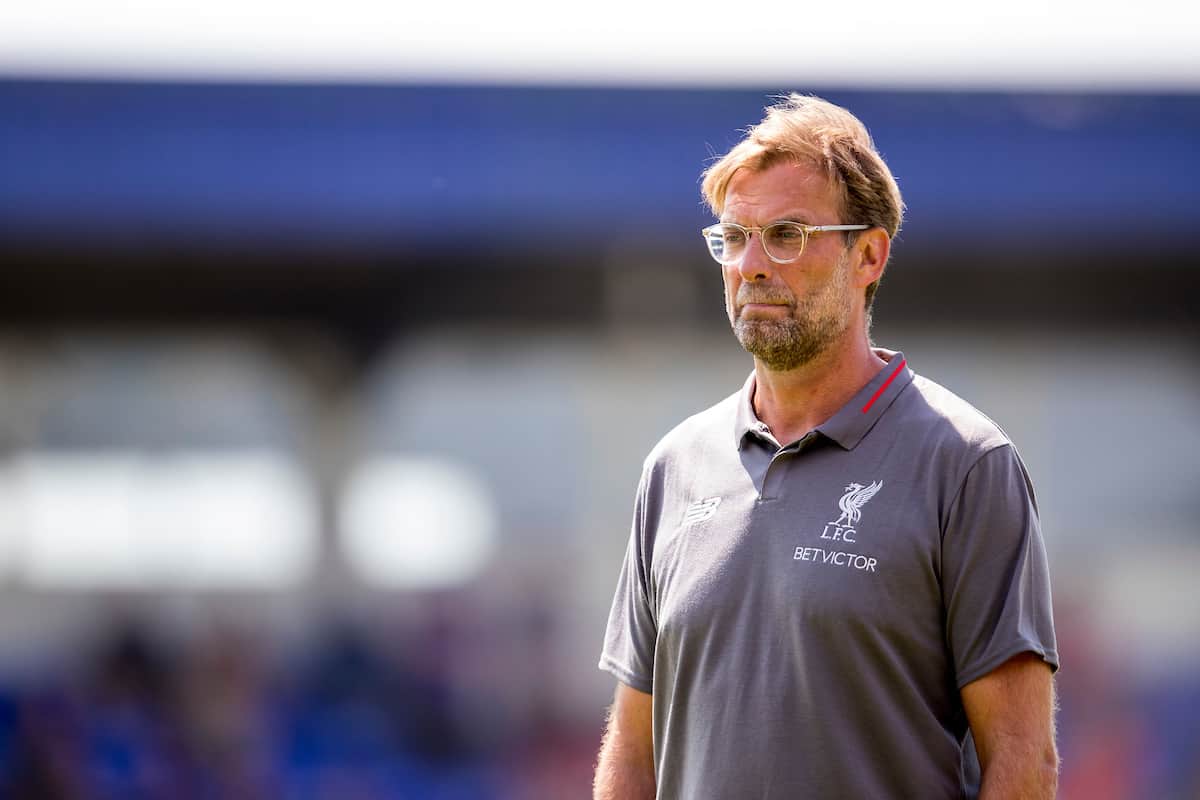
748 293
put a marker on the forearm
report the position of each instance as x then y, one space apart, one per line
1020 773
1011 712
623 772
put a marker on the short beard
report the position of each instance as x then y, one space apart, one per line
787 344
816 322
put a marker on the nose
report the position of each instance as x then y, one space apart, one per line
755 266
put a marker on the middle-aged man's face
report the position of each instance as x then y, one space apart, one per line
788 314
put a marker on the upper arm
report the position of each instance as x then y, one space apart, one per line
994 572
1013 707
632 632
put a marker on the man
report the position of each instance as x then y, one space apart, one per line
836 585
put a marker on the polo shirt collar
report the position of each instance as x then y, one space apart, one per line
850 424
745 421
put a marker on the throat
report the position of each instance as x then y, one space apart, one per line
792 404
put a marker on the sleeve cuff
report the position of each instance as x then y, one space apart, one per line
626 675
977 671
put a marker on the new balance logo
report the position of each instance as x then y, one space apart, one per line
701 510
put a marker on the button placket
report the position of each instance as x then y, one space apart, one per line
775 472
780 462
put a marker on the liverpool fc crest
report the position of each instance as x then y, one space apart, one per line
853 500
856 496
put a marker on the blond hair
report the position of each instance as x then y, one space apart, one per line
803 128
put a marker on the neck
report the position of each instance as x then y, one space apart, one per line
793 402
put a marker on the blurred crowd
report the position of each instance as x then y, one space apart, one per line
355 715
352 717
336 688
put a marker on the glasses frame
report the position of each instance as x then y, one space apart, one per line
805 232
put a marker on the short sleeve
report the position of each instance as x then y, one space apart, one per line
995 579
629 641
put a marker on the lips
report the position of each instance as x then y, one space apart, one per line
760 298
763 303
763 313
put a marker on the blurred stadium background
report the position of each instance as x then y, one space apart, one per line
332 338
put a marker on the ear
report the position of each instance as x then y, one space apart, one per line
871 250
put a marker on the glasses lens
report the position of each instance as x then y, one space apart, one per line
784 241
726 242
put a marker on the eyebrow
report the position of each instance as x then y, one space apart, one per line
800 218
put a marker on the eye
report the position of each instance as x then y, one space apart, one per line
732 236
787 232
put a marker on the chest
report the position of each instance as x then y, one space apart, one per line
810 543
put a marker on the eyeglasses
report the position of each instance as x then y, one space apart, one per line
783 241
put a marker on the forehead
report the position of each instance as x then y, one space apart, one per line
785 189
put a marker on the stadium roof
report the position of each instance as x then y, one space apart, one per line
881 44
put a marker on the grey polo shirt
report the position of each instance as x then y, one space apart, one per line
805 615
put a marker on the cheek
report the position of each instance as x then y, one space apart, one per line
731 281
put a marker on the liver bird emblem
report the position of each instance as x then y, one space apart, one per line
853 500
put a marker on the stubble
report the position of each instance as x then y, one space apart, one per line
816 321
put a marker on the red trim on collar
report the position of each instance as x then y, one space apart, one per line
883 388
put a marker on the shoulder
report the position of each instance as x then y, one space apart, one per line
949 420
697 435
963 452
700 451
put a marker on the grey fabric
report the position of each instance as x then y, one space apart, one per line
801 644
